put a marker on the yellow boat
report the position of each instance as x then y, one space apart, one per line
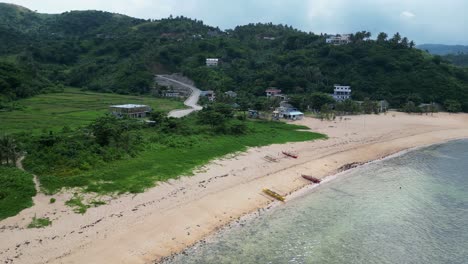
274 194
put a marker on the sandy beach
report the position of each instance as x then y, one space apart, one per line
174 215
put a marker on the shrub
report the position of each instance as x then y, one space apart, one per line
39 222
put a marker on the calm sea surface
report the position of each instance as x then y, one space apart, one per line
362 217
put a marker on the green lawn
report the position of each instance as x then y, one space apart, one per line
159 163
72 108
16 191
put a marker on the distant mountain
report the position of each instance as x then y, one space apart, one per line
440 49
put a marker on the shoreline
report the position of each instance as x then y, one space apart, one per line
297 194
177 214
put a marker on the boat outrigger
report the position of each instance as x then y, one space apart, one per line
273 194
289 154
311 178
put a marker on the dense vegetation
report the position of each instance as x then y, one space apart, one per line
114 53
16 191
120 155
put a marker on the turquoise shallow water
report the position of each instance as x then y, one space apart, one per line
362 217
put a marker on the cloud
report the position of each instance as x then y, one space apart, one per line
407 14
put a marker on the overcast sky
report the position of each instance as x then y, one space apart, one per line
424 21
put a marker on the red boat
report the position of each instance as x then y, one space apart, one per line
290 154
311 178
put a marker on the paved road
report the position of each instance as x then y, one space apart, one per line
191 102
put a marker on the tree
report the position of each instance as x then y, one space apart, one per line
396 38
411 107
318 100
158 117
361 36
412 44
109 129
404 42
437 59
452 106
370 107
382 37
215 115
9 152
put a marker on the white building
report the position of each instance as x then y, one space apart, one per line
212 62
342 93
339 39
172 94
130 110
231 94
287 112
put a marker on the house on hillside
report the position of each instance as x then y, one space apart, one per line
209 94
130 110
231 94
339 39
341 93
212 62
383 106
271 92
287 112
173 94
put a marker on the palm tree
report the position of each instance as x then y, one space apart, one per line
9 153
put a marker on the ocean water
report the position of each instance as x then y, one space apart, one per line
362 217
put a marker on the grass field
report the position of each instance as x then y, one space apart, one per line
16 191
72 108
159 162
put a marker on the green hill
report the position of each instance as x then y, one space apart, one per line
109 52
440 49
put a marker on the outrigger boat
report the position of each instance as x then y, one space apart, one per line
289 154
311 178
274 194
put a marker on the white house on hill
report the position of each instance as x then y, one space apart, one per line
341 92
339 39
212 62
130 110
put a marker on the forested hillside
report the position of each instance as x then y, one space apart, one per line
460 59
114 53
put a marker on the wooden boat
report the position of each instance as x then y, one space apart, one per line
289 154
311 178
274 194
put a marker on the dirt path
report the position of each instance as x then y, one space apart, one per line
40 199
19 165
191 102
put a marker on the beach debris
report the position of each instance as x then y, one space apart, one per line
311 178
273 194
290 154
270 158
349 166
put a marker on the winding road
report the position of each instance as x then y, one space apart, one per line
191 102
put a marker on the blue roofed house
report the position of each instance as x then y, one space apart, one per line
288 112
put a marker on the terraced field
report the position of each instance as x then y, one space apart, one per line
72 108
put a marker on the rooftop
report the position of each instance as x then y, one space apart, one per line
273 90
128 106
